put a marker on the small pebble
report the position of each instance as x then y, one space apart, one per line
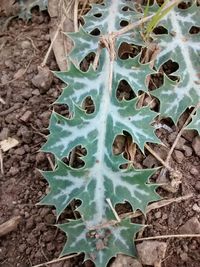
20 151
26 116
178 156
165 216
196 145
194 171
158 214
196 208
25 44
184 256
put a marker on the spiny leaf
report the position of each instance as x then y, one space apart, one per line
101 178
107 17
87 42
119 115
184 48
100 246
112 14
27 5
195 124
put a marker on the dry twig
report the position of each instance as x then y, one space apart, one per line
76 15
167 236
1 162
56 260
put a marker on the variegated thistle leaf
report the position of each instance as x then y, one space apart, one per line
27 5
107 18
195 124
97 131
110 241
183 47
101 183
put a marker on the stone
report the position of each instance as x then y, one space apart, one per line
151 252
192 226
26 215
178 156
172 137
150 162
194 171
187 151
13 171
26 116
25 44
196 145
8 63
20 151
189 135
158 214
45 118
181 143
196 208
43 79
125 261
184 256
27 94
36 92
4 134
19 73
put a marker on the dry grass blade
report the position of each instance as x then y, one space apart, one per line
168 236
56 260
157 205
1 162
61 13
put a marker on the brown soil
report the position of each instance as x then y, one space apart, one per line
23 47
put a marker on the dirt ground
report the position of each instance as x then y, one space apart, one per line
25 116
